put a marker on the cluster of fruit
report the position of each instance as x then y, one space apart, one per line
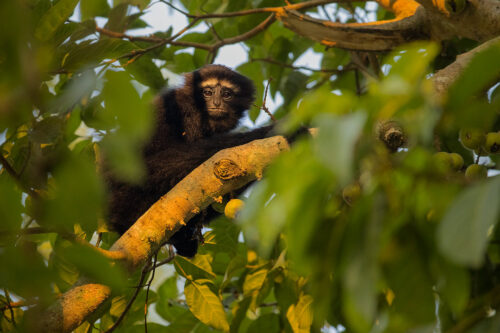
476 140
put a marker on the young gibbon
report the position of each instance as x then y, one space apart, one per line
192 123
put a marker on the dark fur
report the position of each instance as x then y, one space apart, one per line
185 136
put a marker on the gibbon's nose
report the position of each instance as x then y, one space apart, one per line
217 97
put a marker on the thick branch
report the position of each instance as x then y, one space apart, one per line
376 36
445 77
193 194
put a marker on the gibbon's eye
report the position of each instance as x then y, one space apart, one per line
227 94
207 92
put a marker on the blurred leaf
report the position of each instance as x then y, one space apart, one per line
293 86
93 8
205 305
91 53
409 279
254 281
253 71
462 235
411 61
336 142
10 203
454 287
146 72
48 130
133 117
53 18
470 82
300 315
22 263
239 313
269 322
76 197
142 4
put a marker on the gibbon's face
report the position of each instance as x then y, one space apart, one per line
218 95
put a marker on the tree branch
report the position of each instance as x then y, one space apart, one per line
190 196
445 77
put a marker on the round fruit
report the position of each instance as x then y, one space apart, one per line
444 160
351 192
492 144
457 161
233 207
472 138
476 172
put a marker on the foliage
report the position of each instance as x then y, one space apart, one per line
414 236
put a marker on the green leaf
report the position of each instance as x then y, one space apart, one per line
167 306
197 268
300 315
76 196
463 233
147 73
93 52
254 71
10 204
268 323
133 117
294 85
336 142
475 77
223 237
254 281
48 130
205 305
54 18
453 286
93 8
239 313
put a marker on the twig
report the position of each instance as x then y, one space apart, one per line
282 64
10 170
113 255
138 288
147 293
298 6
159 42
7 297
264 106
171 257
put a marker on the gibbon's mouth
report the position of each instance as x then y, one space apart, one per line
216 112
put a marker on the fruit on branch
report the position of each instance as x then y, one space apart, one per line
449 161
472 138
476 172
457 161
492 143
233 207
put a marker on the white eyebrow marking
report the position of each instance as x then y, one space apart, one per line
212 82
209 82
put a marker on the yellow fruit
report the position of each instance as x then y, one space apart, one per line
492 144
233 207
476 172
457 161
444 160
472 138
351 193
